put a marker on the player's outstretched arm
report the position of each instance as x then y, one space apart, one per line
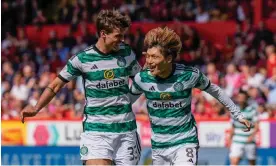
217 93
45 98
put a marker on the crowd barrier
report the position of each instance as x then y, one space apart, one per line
56 142
67 133
69 155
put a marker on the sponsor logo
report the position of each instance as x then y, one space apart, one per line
94 67
165 96
191 160
46 135
109 74
110 84
152 88
167 105
178 86
121 62
213 137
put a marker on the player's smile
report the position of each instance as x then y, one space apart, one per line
152 68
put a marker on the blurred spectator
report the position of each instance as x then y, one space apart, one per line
201 112
21 42
20 90
239 52
255 79
80 45
271 59
262 113
8 41
213 73
7 72
262 34
270 83
53 38
201 15
63 52
69 40
56 62
40 18
232 79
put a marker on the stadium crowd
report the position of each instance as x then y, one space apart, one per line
247 61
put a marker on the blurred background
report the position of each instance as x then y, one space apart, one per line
232 42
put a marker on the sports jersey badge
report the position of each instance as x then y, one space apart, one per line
121 61
84 150
178 86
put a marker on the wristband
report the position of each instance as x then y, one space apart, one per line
52 90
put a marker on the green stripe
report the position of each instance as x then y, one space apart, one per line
174 95
158 129
185 76
241 127
244 142
110 110
99 75
169 113
243 135
161 145
136 86
199 80
91 57
103 93
72 70
95 57
113 127
238 125
131 65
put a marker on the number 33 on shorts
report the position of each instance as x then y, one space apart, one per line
134 153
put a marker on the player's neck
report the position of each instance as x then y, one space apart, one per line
243 106
102 47
168 72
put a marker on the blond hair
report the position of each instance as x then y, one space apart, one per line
164 38
108 20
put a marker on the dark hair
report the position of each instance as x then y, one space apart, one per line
107 20
241 91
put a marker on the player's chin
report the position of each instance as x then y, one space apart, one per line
154 72
116 48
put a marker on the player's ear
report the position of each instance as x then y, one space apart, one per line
102 33
169 59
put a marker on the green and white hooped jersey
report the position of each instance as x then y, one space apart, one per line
105 79
169 104
250 113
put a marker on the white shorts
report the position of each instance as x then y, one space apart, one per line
238 150
186 154
122 149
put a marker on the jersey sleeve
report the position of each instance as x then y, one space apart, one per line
134 66
202 82
135 88
72 69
